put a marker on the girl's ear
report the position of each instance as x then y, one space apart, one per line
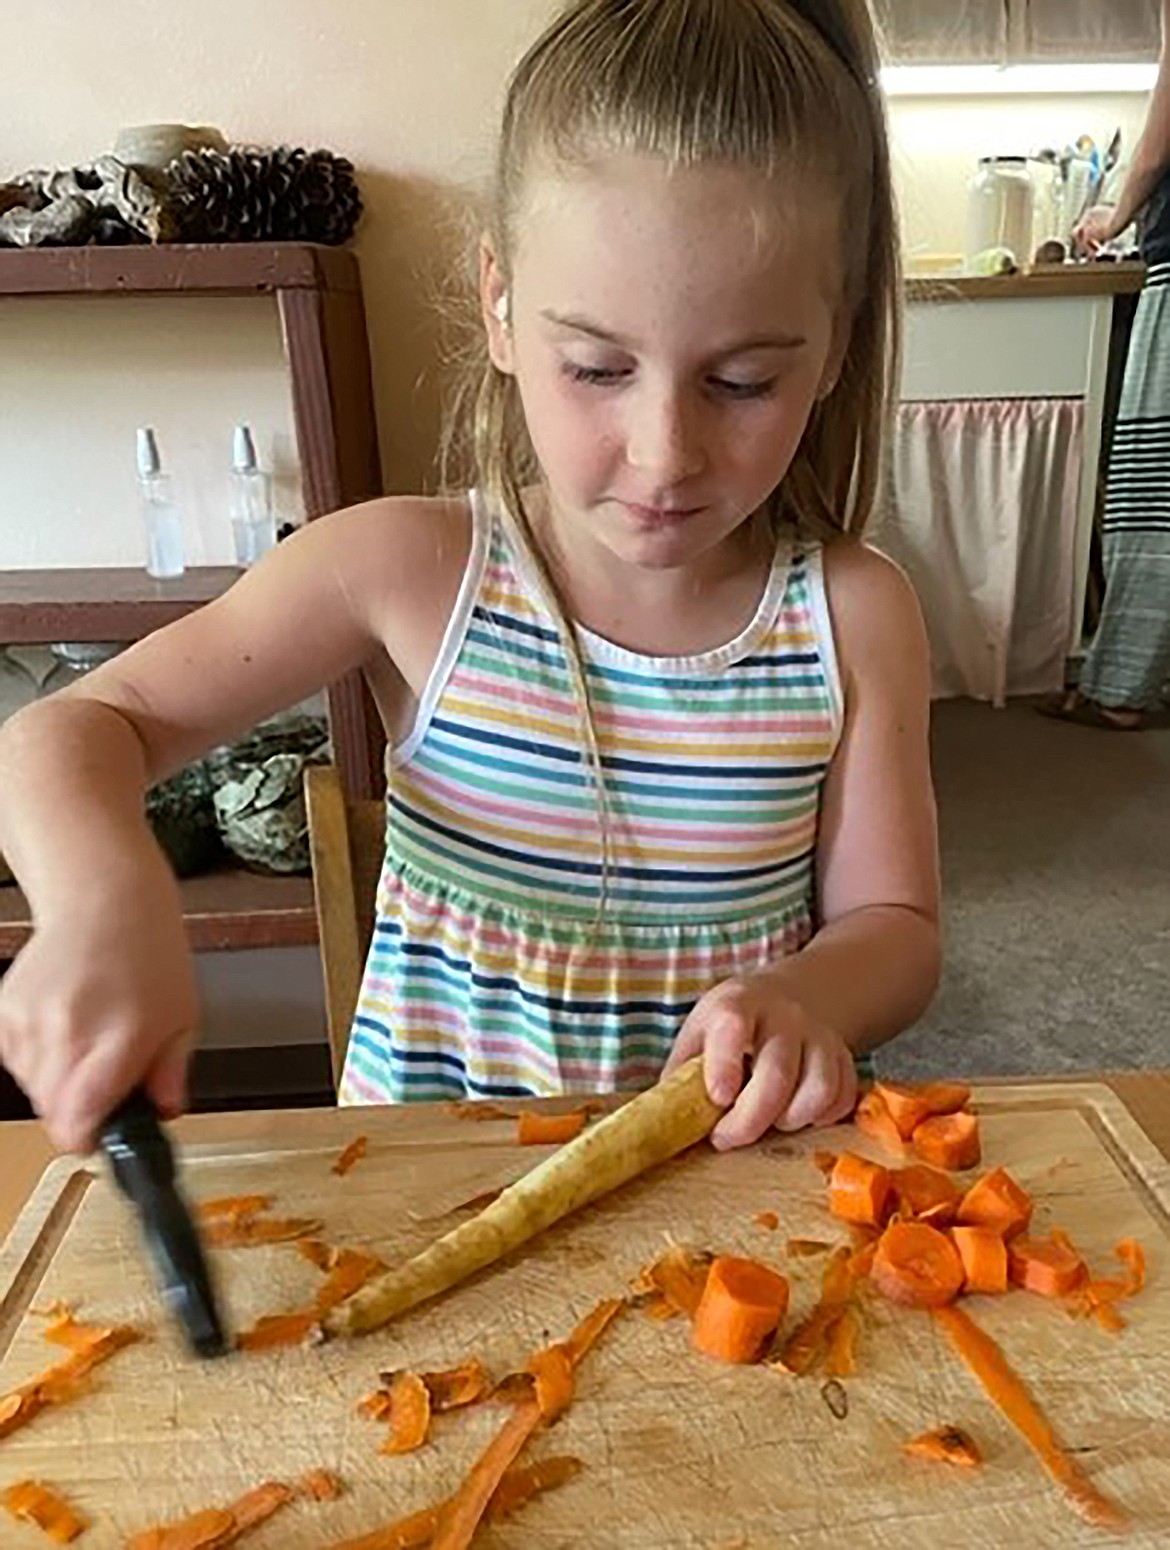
495 305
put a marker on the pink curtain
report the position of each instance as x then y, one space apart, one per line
980 509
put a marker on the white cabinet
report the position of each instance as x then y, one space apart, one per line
964 32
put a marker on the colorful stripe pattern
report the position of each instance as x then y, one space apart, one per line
490 972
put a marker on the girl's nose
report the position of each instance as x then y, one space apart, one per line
664 439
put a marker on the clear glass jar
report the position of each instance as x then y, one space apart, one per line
18 687
999 210
74 658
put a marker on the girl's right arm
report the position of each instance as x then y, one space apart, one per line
102 997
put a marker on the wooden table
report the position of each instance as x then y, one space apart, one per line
25 1150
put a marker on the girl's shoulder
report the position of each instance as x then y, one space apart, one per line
877 620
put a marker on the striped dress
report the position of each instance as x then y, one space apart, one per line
490 972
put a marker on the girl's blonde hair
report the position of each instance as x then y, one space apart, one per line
787 87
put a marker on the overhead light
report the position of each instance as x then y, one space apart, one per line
1016 80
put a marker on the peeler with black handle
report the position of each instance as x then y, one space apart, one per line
143 1166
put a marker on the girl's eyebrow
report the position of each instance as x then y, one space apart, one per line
583 325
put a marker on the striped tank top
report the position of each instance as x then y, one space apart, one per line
490 972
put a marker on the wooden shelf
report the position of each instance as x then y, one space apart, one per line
225 910
225 269
103 603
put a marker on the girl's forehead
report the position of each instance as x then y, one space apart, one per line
641 223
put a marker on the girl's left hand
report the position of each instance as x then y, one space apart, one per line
788 1069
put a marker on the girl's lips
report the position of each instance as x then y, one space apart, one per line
661 516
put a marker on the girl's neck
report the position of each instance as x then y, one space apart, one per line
680 611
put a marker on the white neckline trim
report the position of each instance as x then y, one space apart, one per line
814 559
453 636
602 650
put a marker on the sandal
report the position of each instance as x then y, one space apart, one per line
1083 712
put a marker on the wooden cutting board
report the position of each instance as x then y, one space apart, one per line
678 1452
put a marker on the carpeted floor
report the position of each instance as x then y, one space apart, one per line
1056 873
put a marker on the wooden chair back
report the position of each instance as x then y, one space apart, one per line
347 841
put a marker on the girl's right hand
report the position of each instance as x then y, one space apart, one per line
100 1000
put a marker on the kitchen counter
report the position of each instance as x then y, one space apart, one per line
1045 280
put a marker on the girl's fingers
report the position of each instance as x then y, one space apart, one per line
167 1080
95 1086
816 1093
728 1037
775 1074
847 1091
688 1041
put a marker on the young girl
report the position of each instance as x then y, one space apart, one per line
659 781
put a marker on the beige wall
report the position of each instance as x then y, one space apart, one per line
409 89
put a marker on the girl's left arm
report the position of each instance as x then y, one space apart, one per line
873 966
783 1039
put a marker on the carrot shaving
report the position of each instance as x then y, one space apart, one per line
458 1386
235 1206
248 1231
279 1329
37 1504
317 1253
768 1220
90 1346
1007 1390
467 1507
552 1369
519 1485
410 1414
550 1129
1131 1254
591 1328
841 1352
217 1527
824 1161
946 1445
479 1108
678 1277
524 1481
351 1155
804 1347
321 1485
206 1530
805 1248
350 1271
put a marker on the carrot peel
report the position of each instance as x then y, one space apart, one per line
946 1445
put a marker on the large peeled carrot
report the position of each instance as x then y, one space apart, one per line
948 1141
917 1265
741 1305
858 1190
655 1125
1006 1388
997 1201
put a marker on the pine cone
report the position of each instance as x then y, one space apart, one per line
247 194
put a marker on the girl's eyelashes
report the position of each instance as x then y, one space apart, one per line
609 376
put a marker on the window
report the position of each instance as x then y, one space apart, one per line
1098 30
945 32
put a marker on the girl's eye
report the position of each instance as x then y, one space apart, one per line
742 390
597 375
